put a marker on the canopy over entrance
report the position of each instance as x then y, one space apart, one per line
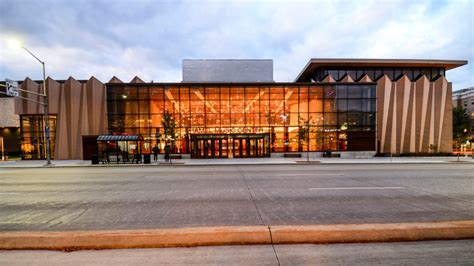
119 138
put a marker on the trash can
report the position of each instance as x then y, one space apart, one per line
146 158
95 159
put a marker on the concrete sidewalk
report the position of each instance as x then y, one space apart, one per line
247 161
457 252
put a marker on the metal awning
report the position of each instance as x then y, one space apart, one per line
119 137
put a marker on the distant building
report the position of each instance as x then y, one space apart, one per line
465 98
234 109
9 127
227 70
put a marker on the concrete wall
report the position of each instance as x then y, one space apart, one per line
8 118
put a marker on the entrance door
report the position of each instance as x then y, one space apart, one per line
230 146
218 148
260 149
224 153
237 148
244 146
209 146
89 147
253 148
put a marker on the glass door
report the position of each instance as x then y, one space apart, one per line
252 148
244 148
260 148
200 148
224 148
209 148
237 148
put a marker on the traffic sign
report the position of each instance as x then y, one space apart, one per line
12 87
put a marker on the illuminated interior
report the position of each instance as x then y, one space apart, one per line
246 120
33 141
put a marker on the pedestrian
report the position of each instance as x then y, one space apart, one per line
167 152
156 151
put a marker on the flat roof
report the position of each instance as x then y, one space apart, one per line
315 63
227 70
223 84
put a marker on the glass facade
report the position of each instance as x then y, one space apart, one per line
246 120
375 73
33 140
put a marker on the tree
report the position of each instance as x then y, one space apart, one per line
460 124
169 126
303 133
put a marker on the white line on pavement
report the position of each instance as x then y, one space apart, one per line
354 188
313 174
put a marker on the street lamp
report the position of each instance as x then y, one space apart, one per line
46 101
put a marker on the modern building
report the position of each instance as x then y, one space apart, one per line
9 128
234 109
465 98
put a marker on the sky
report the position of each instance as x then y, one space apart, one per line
149 38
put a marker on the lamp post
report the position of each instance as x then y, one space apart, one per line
46 110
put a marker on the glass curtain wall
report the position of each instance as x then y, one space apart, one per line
33 141
393 73
337 114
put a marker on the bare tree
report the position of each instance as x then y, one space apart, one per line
304 132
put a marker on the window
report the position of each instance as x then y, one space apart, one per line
334 74
371 73
397 73
354 92
342 91
274 109
32 135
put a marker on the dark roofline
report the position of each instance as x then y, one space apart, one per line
463 90
314 63
198 84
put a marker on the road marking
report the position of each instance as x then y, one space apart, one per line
314 174
9 193
352 188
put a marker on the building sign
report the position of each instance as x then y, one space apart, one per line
12 87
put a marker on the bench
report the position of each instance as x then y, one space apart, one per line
331 155
175 156
292 155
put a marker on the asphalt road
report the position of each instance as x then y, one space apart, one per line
404 253
101 198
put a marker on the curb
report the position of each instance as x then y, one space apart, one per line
158 238
229 164
363 233
237 235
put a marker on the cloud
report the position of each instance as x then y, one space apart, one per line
150 38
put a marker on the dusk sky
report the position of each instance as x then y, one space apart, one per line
150 38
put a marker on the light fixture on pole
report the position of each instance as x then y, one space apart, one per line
45 104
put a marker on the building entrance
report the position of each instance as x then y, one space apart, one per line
230 145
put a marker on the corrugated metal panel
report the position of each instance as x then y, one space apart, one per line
226 70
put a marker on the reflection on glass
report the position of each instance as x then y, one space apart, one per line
334 112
